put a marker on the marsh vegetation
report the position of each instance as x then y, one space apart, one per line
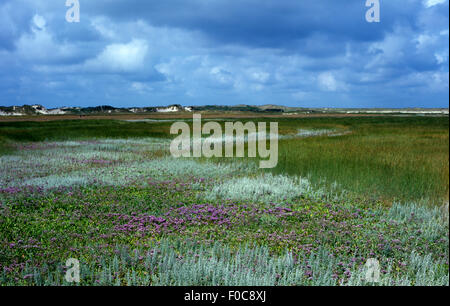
108 193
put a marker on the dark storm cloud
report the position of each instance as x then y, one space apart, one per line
264 23
138 52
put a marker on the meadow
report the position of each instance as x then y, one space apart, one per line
108 193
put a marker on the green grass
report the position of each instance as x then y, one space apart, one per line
388 158
79 129
5 147
134 216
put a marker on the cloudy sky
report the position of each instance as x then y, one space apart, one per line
319 53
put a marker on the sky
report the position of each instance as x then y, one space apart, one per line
320 53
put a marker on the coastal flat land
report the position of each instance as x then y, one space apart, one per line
107 191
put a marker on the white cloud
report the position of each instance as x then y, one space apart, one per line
40 44
327 81
120 57
39 22
426 44
100 24
430 3
423 40
260 76
439 81
222 75
441 57
392 48
141 87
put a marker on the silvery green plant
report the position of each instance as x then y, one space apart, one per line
184 263
125 173
314 133
421 271
432 221
113 162
264 188
47 158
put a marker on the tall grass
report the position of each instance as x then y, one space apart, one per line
388 158
391 159
80 129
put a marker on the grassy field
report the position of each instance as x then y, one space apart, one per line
385 158
108 193
389 158
392 159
